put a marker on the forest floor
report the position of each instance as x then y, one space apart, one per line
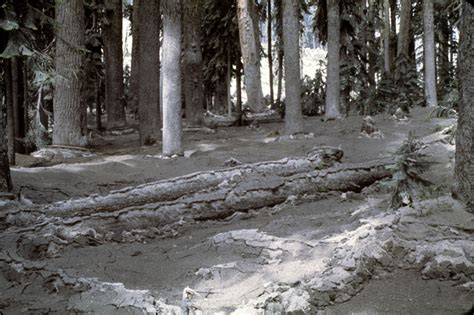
328 254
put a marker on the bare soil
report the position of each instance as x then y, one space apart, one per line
325 254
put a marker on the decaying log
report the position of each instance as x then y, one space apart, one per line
172 189
215 121
208 195
212 120
242 192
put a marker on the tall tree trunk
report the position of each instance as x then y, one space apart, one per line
5 178
291 36
443 56
10 127
404 32
393 31
371 39
463 170
238 79
149 71
429 54
113 56
269 49
69 61
193 69
135 72
386 36
280 53
172 125
333 86
249 39
18 103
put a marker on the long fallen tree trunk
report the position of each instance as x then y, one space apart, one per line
167 204
172 189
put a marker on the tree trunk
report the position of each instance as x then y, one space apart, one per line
113 56
10 127
269 49
238 79
429 54
5 178
69 61
172 125
372 58
280 53
249 39
135 72
393 32
18 99
463 170
443 56
193 68
291 36
213 195
149 71
333 86
386 37
404 32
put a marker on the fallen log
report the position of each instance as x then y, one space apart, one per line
212 120
172 189
243 191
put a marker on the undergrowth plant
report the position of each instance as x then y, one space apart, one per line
411 163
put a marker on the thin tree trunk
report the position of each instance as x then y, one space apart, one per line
5 178
172 125
69 60
463 170
193 68
269 49
149 71
291 36
333 86
393 32
386 37
238 78
280 53
249 39
135 72
18 103
98 103
113 56
443 56
372 55
429 54
10 127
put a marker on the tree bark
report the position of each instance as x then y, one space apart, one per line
333 85
386 37
269 49
5 178
172 125
210 195
404 32
280 53
68 64
249 39
429 54
443 56
135 71
193 68
113 56
463 169
149 71
18 90
291 36
10 127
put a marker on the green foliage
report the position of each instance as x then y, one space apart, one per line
410 164
220 40
313 94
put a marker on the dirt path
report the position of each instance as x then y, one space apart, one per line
304 256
